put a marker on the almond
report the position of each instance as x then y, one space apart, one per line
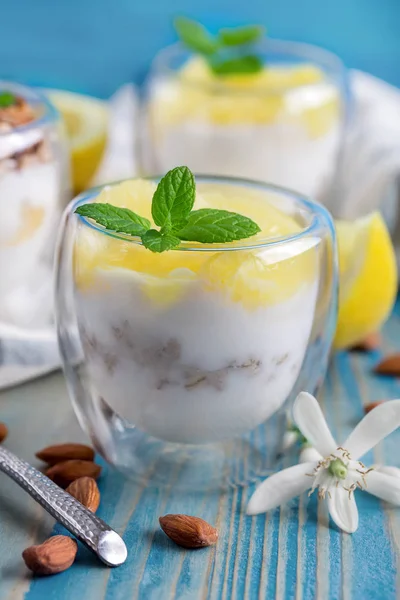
62 452
189 532
64 473
371 406
371 342
3 432
389 365
53 556
85 490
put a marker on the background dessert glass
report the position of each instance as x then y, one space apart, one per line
185 359
283 126
34 183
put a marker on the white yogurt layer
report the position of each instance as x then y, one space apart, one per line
29 200
280 153
198 369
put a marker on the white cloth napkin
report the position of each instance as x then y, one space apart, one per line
371 163
371 157
120 157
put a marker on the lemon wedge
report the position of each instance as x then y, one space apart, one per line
368 278
86 120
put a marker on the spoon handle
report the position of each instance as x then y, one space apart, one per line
75 517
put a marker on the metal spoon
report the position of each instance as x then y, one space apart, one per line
83 524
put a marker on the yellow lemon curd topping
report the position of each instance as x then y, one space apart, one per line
253 277
297 93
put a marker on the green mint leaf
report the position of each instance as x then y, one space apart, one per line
241 35
195 36
159 242
241 65
7 99
115 218
173 199
210 226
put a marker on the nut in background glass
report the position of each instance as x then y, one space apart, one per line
188 357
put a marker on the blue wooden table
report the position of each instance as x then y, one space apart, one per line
290 553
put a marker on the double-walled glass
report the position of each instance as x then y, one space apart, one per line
183 361
284 125
34 183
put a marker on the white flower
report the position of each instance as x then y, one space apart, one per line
335 471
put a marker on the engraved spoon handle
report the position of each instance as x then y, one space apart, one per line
75 517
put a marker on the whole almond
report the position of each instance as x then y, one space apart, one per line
371 406
389 365
189 532
3 432
53 556
62 452
85 490
64 473
371 342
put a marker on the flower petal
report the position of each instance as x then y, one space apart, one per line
343 509
309 454
309 419
281 487
384 486
388 470
373 428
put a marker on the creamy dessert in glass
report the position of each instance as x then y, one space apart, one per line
283 124
33 187
191 351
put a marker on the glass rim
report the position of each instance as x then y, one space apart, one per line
309 52
313 208
50 113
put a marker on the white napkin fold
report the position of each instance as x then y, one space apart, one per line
371 156
120 157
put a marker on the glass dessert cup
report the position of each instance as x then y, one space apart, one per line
180 364
283 126
33 191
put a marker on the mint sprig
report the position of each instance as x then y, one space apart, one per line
195 36
237 36
156 241
213 226
215 48
173 199
242 64
114 218
7 99
171 209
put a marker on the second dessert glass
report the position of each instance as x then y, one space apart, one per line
179 364
34 187
283 125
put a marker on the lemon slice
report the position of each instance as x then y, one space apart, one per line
368 278
86 120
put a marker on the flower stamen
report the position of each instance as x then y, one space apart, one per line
338 469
